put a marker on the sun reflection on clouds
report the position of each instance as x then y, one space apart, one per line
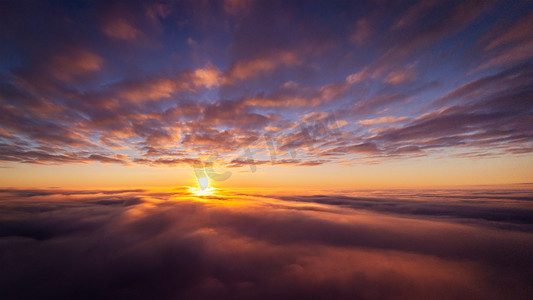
202 191
203 188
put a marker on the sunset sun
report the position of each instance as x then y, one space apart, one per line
203 188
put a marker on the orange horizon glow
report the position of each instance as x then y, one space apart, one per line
413 174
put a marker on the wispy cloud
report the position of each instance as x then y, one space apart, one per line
126 84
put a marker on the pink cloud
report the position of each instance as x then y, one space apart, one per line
255 67
73 62
121 29
381 120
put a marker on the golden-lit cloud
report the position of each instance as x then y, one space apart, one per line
399 76
74 62
382 120
209 77
235 7
121 29
363 31
258 66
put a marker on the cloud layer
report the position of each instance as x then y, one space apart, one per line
232 245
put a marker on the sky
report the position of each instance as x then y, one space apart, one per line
249 93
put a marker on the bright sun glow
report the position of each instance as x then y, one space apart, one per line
199 192
203 188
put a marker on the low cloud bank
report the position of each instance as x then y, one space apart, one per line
139 244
